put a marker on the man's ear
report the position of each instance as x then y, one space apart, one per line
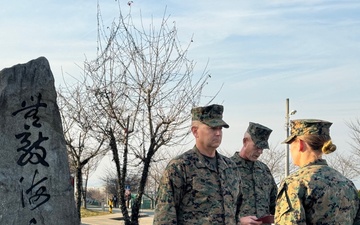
301 145
244 140
194 131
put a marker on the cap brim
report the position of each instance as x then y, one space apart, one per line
288 140
225 125
216 123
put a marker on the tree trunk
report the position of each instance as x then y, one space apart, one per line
78 190
84 192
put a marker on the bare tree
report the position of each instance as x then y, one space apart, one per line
97 195
355 136
274 158
153 181
349 165
86 170
83 145
346 165
144 87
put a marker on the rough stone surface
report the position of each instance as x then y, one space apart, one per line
35 185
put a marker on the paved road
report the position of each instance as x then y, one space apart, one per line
115 218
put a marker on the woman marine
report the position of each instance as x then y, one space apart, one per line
316 193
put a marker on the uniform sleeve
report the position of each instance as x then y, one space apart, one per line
289 209
273 194
238 204
273 190
357 219
239 199
169 195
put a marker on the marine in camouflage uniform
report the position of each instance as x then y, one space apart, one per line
258 185
196 189
316 193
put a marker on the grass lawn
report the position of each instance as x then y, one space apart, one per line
90 212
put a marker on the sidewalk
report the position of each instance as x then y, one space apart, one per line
146 218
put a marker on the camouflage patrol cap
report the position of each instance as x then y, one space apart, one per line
210 115
259 134
308 126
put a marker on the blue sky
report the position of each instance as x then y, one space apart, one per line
260 52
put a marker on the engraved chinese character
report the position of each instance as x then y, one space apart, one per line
37 194
33 153
32 110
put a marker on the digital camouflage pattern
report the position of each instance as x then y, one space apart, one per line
258 187
210 115
259 135
317 194
192 192
308 126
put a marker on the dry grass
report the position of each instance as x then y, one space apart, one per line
90 212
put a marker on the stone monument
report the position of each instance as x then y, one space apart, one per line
35 181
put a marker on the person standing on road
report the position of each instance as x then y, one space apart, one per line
316 193
200 186
258 184
115 200
110 204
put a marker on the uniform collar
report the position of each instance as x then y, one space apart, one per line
317 162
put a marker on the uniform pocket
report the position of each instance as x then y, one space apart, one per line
283 204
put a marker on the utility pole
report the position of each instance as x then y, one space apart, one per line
287 126
287 117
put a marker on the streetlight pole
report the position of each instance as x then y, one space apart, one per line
287 125
287 117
